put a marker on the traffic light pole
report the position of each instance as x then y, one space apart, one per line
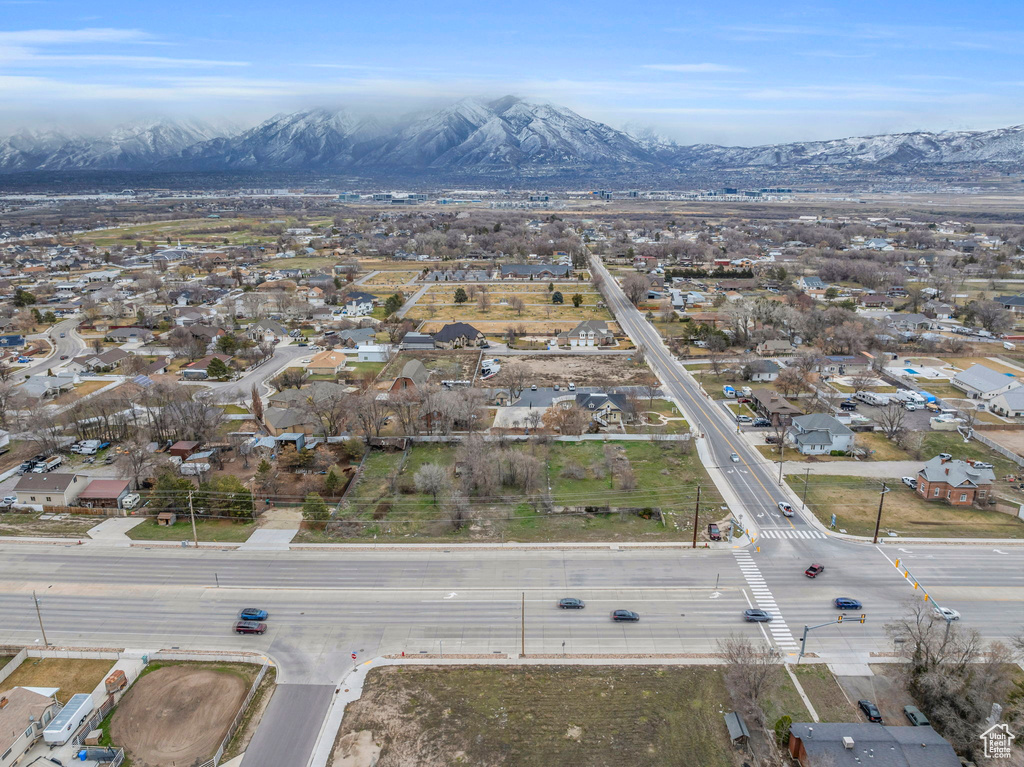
808 629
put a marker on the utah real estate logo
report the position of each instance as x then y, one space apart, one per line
997 740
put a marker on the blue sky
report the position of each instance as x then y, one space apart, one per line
730 73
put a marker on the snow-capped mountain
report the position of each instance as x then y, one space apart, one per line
473 137
1005 145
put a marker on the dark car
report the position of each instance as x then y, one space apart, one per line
814 571
848 405
250 627
762 422
63 356
870 711
571 603
757 616
624 615
253 614
913 713
714 533
846 603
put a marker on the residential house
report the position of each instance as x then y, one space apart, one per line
294 398
535 271
877 243
774 348
938 310
98 363
24 714
327 363
606 409
40 387
956 482
774 406
1014 304
874 300
588 333
266 330
51 488
358 304
819 434
842 364
198 369
291 420
1009 404
104 494
811 283
762 371
980 382
909 322
856 744
457 335
12 341
414 375
131 334
206 333
360 336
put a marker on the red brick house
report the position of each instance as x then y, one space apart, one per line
958 483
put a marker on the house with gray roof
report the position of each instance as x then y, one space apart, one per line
980 382
534 271
819 434
587 333
1009 404
811 283
457 335
266 330
1014 304
357 336
956 482
606 409
413 376
909 321
856 744
761 371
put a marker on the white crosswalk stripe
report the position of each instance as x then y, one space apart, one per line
805 534
763 597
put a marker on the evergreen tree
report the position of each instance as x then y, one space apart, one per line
217 369
314 507
577 299
460 296
556 297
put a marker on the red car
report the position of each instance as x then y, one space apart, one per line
814 571
250 627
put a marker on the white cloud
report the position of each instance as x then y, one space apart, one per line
62 36
693 67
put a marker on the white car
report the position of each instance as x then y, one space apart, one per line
912 406
306 361
734 458
786 509
948 614
983 465
909 482
8 500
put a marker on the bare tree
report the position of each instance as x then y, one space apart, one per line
432 479
892 419
517 305
405 404
635 287
862 381
567 421
256 404
136 461
483 301
752 673
515 376
371 413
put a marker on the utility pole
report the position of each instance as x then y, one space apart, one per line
803 501
878 522
522 624
39 615
696 517
192 513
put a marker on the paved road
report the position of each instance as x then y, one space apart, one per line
283 357
71 345
752 483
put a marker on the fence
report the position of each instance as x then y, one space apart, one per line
94 721
13 664
998 448
237 720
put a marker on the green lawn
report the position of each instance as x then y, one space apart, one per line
214 530
854 501
235 410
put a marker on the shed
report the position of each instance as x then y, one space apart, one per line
296 438
166 518
183 449
738 732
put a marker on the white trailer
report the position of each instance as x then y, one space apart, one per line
68 720
872 398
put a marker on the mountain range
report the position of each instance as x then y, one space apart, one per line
503 138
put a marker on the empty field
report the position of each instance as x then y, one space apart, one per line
581 369
71 675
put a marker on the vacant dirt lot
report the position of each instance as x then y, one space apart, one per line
71 675
580 369
176 716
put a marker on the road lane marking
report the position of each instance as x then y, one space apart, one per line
779 630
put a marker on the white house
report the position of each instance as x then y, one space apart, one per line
819 434
980 382
358 304
1009 404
